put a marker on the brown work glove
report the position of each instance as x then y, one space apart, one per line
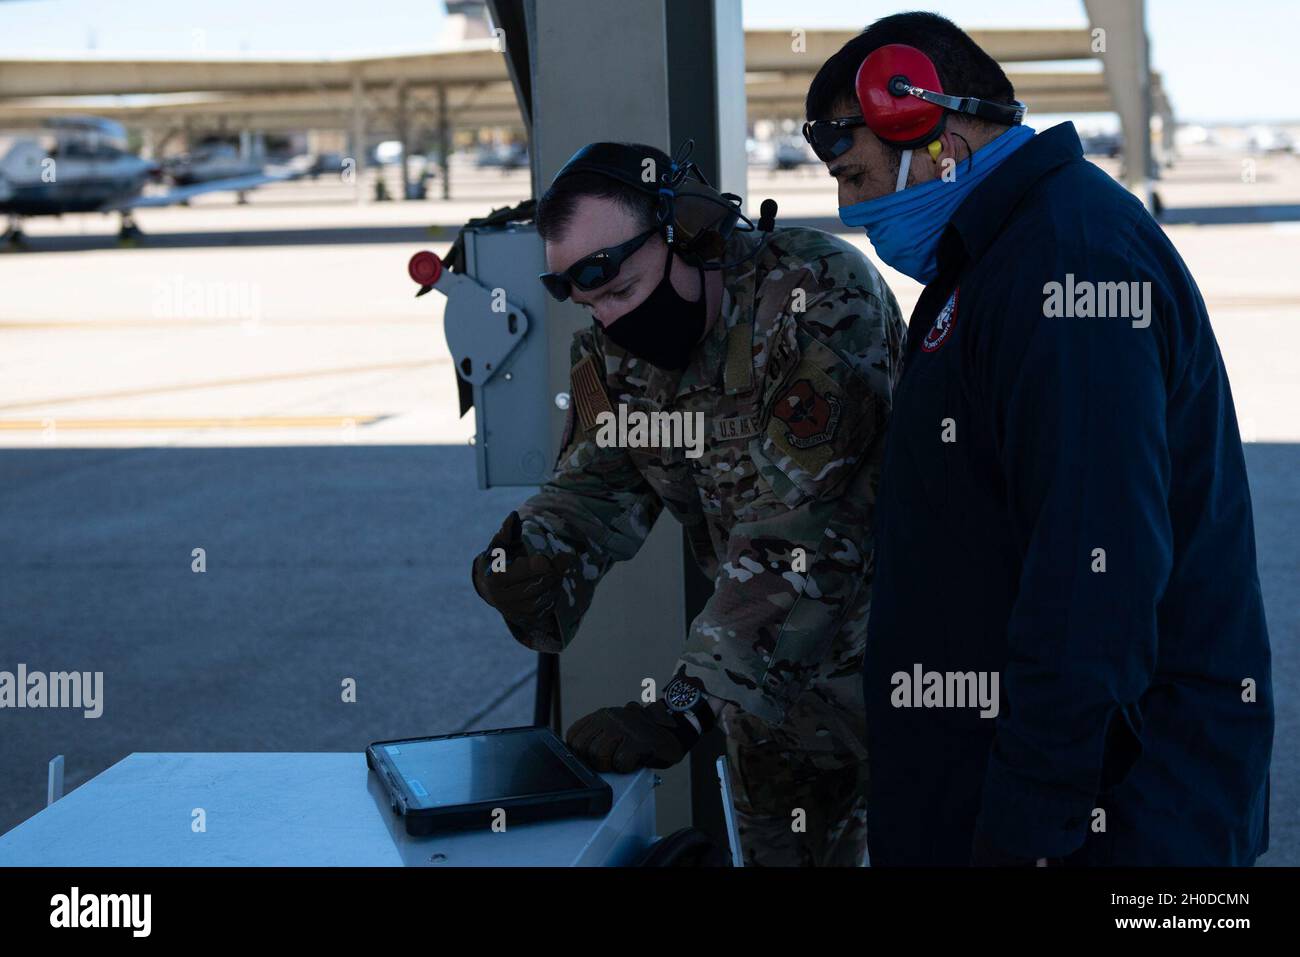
525 589
633 736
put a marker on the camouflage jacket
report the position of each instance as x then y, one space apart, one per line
793 383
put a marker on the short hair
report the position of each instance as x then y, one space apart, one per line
964 69
555 209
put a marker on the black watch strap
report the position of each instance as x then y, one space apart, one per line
684 730
685 694
703 712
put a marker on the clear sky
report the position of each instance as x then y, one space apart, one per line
1222 62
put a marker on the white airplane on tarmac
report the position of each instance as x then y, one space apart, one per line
90 170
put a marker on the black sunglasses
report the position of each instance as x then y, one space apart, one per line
831 139
592 272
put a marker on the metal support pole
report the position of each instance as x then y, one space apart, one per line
546 700
444 141
403 137
1127 71
54 780
682 77
357 146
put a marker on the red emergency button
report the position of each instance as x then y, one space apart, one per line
425 268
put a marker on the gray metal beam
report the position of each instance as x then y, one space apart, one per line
357 146
46 76
638 621
509 18
444 142
706 84
1126 63
403 137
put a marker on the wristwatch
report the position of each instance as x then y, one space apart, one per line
685 695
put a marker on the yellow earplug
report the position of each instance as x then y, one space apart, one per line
935 149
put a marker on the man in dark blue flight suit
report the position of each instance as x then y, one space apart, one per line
1067 658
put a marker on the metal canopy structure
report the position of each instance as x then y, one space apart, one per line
476 83
790 52
493 104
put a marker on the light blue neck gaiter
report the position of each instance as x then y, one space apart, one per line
905 226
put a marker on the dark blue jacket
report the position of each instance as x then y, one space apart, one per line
1064 504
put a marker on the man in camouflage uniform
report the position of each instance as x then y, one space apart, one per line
793 377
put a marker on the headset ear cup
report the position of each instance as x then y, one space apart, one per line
905 120
704 220
692 216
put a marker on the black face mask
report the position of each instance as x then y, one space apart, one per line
665 328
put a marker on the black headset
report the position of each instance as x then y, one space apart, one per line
694 219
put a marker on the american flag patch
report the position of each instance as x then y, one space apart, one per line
589 393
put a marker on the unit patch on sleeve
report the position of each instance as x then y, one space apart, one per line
821 420
811 417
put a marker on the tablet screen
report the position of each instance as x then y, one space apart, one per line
480 768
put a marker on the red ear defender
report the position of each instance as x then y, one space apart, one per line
888 109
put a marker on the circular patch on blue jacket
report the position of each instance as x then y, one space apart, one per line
943 323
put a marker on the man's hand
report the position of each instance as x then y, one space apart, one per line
633 736
520 586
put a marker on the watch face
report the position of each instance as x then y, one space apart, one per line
681 695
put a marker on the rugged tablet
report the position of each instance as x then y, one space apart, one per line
460 780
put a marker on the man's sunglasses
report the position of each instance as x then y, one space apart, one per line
592 272
831 139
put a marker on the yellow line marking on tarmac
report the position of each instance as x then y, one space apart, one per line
222 383
227 422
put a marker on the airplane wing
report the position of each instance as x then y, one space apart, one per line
182 193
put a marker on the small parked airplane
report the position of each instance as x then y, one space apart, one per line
88 169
